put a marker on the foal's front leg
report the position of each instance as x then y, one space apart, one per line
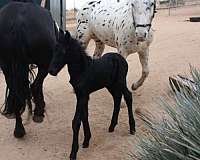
86 127
143 56
76 123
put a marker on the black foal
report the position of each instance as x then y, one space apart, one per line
87 76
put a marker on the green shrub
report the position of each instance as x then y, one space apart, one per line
177 135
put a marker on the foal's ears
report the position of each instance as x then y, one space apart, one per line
64 36
67 35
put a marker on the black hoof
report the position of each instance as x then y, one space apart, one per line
111 129
85 145
9 115
19 134
134 87
38 119
132 132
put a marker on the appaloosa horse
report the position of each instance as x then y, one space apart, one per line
123 24
27 36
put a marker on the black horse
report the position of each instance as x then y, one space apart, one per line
27 36
87 76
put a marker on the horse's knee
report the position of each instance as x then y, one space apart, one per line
145 72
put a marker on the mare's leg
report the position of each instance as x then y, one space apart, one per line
117 96
122 51
86 127
128 98
16 76
23 94
99 48
19 131
143 56
83 34
37 93
76 123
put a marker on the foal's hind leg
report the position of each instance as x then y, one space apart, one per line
128 98
98 49
37 92
117 96
86 127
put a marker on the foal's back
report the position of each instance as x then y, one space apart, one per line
107 71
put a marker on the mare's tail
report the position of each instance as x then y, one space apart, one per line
18 93
17 73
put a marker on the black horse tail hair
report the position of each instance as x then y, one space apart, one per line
5 101
18 92
18 76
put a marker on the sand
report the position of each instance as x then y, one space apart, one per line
176 45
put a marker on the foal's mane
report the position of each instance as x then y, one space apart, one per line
78 50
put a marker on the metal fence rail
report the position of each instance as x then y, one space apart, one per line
161 4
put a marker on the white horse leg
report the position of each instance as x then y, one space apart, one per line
123 52
84 40
98 49
143 56
83 34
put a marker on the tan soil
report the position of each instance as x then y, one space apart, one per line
176 44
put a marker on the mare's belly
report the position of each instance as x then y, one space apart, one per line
102 30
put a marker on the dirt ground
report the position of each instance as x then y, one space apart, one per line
176 45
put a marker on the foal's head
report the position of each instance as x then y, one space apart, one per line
142 13
60 52
67 51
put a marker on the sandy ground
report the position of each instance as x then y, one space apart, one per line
176 44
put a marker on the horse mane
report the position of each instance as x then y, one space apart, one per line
78 50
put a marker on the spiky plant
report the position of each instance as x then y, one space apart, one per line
177 135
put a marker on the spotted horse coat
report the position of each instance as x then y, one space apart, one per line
118 24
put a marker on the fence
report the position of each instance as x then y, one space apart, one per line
161 4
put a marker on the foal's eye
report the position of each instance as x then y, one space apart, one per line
152 4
